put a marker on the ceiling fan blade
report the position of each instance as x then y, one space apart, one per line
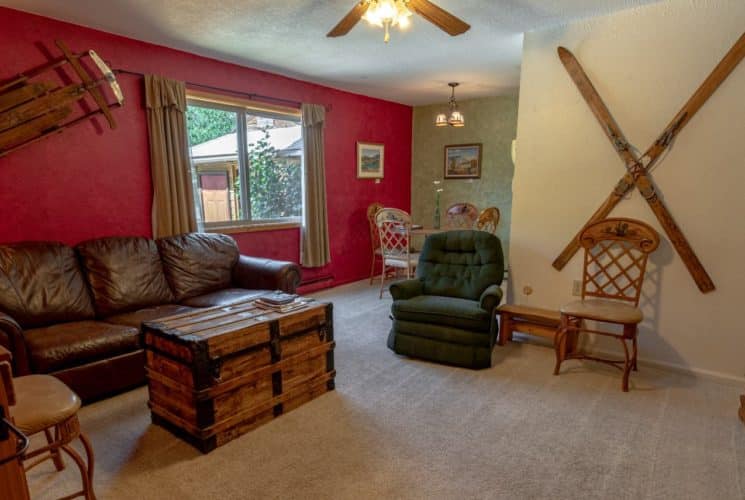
346 24
439 17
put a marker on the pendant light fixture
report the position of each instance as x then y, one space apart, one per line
456 118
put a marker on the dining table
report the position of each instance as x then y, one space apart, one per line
418 230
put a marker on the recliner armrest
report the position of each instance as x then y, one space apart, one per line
406 289
266 274
490 298
11 337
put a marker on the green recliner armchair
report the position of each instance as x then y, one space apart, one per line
447 313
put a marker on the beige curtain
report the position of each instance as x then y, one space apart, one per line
173 194
315 234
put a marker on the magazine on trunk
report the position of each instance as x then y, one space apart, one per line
297 304
278 298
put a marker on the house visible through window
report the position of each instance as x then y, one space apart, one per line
247 164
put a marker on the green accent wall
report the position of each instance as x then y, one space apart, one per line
491 121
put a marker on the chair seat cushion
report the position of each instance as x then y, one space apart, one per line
604 310
42 401
438 310
400 260
222 297
136 318
441 333
71 344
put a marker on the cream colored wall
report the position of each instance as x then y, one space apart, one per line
645 62
491 121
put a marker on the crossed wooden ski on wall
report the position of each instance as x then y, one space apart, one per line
637 168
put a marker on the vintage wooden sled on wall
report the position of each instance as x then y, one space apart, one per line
32 108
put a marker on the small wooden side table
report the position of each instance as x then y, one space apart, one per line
531 320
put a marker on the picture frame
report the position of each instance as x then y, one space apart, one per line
370 160
462 161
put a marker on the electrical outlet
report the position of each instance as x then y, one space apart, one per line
576 288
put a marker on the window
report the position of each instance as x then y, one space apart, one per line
246 164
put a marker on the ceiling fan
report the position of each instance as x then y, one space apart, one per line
387 13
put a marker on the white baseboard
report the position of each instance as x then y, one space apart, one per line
724 378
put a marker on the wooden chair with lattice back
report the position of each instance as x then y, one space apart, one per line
616 253
376 255
394 229
488 220
461 216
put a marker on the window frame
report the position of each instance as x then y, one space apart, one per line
242 107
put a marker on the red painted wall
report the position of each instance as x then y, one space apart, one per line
90 181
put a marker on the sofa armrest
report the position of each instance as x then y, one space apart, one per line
490 298
11 337
266 274
406 289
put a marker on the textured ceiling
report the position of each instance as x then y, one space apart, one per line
288 37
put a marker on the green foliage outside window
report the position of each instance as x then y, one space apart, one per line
205 124
274 182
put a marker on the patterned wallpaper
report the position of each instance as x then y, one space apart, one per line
491 121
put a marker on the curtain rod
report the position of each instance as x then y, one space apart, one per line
250 95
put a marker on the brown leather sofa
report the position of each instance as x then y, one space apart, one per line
76 313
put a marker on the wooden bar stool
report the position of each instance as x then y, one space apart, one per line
45 404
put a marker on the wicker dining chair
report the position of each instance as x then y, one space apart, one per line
616 253
461 216
394 228
376 254
488 220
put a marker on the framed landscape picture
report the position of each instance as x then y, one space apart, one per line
463 161
370 160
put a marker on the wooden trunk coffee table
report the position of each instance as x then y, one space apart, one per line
217 373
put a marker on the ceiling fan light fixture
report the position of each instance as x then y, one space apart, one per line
403 15
441 120
387 9
372 17
387 13
403 22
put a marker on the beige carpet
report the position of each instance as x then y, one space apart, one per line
399 428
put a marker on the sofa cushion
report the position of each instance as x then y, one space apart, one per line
93 380
41 284
460 263
125 274
451 311
71 344
198 263
222 297
136 318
